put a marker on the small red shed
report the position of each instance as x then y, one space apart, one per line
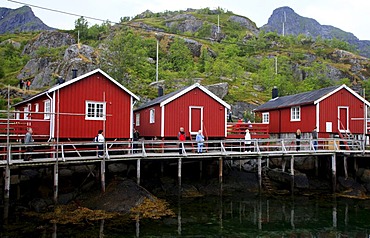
194 108
334 110
80 107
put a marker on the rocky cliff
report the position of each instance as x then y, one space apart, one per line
20 20
285 21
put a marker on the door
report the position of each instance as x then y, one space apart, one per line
195 119
343 119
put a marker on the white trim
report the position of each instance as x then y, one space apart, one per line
347 118
201 119
52 119
268 117
89 74
96 118
26 112
17 115
47 113
162 121
188 89
299 113
317 124
37 107
225 123
348 89
137 118
131 118
152 115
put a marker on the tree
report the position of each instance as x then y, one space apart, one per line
82 27
179 57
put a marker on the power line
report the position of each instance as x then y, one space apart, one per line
59 11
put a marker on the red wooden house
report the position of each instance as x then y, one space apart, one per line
334 111
78 108
194 108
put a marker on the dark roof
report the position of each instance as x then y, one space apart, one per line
296 99
158 100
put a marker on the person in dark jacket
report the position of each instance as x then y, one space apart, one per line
27 141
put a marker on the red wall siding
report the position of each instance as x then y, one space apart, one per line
177 114
329 111
40 126
149 129
95 88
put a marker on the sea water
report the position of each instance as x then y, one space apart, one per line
234 215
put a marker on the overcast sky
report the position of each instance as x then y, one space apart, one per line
351 16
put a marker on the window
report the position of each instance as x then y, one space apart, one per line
25 113
152 116
36 107
137 119
295 114
17 115
95 110
47 109
265 117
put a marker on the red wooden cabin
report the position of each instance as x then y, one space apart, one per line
78 108
335 110
194 108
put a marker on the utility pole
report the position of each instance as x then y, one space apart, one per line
284 20
159 38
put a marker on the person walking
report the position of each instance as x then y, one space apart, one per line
298 139
199 139
247 141
314 138
100 139
136 136
27 141
181 136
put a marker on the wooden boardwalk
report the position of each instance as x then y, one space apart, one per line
67 153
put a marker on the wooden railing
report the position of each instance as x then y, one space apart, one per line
257 130
128 150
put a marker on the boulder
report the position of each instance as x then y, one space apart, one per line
219 89
365 177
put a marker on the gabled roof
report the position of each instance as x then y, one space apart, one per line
55 88
312 97
165 99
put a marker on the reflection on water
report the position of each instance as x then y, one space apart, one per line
223 216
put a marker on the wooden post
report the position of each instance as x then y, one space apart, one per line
260 173
333 170
200 169
102 175
7 183
355 165
138 172
283 163
220 170
316 166
179 172
345 167
292 173
56 182
162 168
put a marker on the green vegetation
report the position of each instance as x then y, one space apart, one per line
251 65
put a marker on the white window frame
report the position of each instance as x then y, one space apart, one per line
295 113
137 119
201 119
47 109
98 110
37 107
265 117
26 111
152 116
17 115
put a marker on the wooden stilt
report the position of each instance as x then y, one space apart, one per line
292 173
7 183
355 165
345 167
316 166
283 163
162 168
334 172
220 164
260 173
138 172
200 169
102 175
56 182
179 171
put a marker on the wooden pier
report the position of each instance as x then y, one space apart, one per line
68 153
